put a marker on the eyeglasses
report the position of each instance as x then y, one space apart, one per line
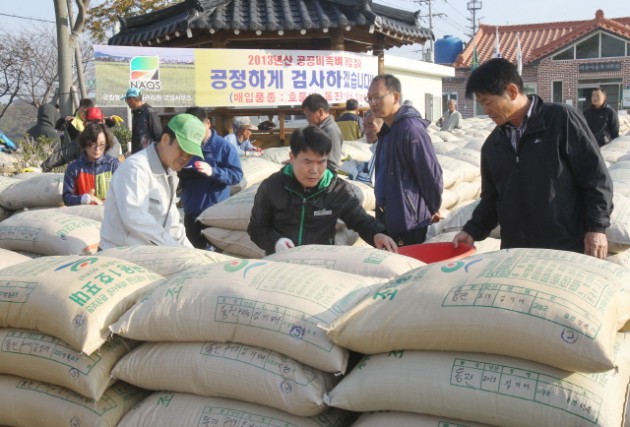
95 145
375 99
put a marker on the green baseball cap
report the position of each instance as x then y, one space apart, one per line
189 131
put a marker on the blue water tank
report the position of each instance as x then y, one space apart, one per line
447 48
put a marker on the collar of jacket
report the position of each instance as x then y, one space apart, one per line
404 112
157 168
535 123
323 183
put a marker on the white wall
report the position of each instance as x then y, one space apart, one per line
418 79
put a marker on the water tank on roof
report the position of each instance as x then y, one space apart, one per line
447 48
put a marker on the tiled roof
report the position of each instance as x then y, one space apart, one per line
537 40
277 16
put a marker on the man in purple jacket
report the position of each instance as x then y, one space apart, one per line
408 178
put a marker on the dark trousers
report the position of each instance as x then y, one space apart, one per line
412 237
193 231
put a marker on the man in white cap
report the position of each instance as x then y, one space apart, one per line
242 128
146 127
140 204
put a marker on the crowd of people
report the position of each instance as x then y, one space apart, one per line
543 178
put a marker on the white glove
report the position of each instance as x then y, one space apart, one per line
283 244
86 199
204 168
252 153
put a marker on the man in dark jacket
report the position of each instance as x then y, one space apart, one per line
206 181
317 112
146 127
543 179
46 118
408 180
301 203
601 118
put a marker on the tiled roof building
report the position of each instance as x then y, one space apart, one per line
350 25
562 61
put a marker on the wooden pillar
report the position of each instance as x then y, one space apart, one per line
379 51
336 40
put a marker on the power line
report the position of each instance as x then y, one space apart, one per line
27 18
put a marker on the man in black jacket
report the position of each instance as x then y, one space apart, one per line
300 204
146 127
601 118
543 179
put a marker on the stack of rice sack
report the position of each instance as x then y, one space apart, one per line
38 225
244 338
56 351
519 338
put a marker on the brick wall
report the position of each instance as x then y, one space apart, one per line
543 74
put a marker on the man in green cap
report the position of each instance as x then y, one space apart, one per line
140 204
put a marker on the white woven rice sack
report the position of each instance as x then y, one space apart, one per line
558 308
233 242
365 261
460 216
619 230
467 155
41 190
33 403
409 419
365 194
72 298
486 388
9 258
247 373
167 409
44 358
165 260
619 176
279 306
466 191
449 198
277 154
443 147
232 213
467 170
255 170
94 212
50 232
356 150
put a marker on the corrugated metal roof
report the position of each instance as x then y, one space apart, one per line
398 26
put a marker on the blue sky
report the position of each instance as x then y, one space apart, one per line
453 19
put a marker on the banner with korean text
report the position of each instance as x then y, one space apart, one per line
178 77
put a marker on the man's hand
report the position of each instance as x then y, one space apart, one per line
383 241
436 217
283 244
204 168
463 237
596 244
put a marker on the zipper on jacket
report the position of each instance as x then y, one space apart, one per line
303 211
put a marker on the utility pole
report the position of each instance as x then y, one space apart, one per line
430 15
473 6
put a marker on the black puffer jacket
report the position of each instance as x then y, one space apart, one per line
146 127
282 208
46 118
550 193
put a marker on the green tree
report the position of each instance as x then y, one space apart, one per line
104 17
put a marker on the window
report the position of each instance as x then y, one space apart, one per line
556 91
564 55
612 46
588 48
600 45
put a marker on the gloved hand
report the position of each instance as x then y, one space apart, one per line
204 168
253 153
86 199
283 244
